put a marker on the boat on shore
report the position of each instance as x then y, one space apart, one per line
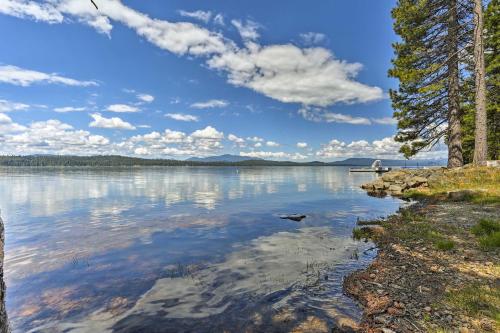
376 167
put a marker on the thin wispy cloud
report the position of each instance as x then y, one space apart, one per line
213 103
248 30
201 15
146 98
312 38
26 77
321 115
181 117
385 121
9 106
273 155
70 109
124 108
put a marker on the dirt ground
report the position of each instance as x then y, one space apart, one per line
431 273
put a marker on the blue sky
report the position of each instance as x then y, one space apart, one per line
292 80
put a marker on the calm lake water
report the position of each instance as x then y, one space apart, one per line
188 249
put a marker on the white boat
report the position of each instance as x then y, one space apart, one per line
376 167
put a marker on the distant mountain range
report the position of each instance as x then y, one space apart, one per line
222 160
389 163
347 162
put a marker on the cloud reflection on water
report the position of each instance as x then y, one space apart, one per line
294 263
134 222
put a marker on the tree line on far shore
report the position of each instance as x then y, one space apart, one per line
120 161
448 66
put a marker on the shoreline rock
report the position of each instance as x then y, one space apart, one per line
396 182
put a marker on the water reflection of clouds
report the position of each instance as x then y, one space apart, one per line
283 261
58 218
49 193
53 215
75 239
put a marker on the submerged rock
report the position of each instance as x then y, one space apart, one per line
293 217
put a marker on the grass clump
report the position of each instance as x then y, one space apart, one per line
491 241
361 233
477 300
485 227
415 228
445 244
488 232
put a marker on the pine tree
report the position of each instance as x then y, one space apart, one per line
492 61
427 65
480 138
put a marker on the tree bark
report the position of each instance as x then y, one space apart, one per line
4 323
481 135
455 158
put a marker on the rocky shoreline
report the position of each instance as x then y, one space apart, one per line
429 265
396 182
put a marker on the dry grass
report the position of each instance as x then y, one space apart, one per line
483 182
477 301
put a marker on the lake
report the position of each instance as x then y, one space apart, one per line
182 249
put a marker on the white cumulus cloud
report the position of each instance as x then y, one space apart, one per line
301 144
5 119
113 122
51 137
240 142
310 76
272 144
202 142
289 74
30 9
382 148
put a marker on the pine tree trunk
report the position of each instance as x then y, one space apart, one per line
481 138
455 158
